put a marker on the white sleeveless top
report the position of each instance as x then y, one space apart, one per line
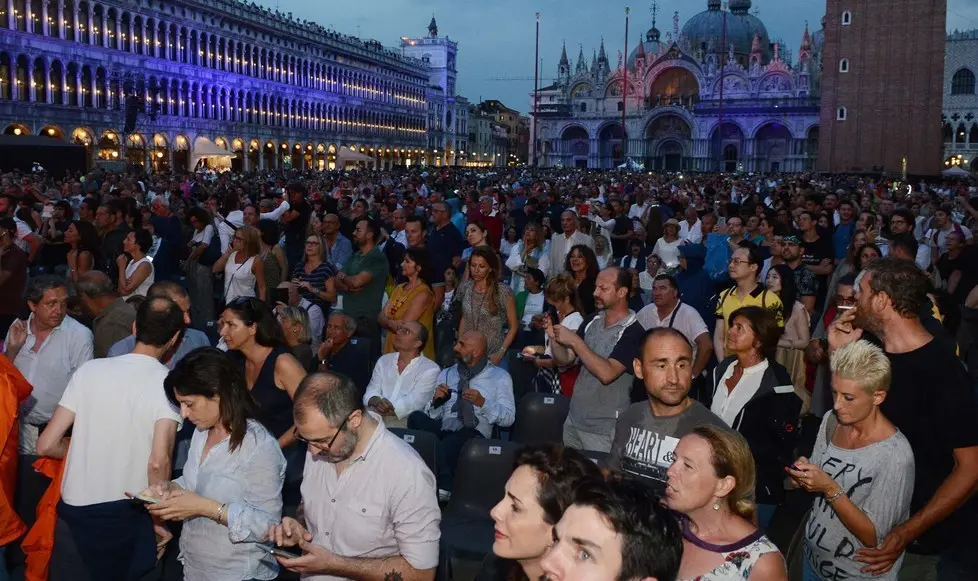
239 280
738 558
143 286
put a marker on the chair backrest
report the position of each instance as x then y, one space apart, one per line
483 468
424 443
523 373
540 418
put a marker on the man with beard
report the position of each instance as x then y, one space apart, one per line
471 397
931 400
369 500
647 432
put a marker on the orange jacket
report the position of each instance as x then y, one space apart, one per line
14 389
39 542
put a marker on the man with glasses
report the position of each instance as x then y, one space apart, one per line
341 352
903 222
368 499
402 381
746 292
338 249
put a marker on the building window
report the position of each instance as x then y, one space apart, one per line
846 18
963 83
583 107
621 106
844 66
841 114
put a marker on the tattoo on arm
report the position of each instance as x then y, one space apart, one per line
394 575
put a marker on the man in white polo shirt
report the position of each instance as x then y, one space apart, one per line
667 310
123 431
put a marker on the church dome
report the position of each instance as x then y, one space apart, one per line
650 46
706 28
753 25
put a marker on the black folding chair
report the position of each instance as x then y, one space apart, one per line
480 482
540 418
424 443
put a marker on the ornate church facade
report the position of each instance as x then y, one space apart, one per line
716 96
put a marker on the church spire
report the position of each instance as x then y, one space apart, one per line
602 57
433 27
563 56
581 63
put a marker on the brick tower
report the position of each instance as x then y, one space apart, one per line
882 80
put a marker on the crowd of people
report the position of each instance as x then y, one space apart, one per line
205 375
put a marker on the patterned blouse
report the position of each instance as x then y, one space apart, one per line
738 558
477 316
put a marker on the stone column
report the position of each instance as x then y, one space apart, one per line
11 19
28 18
45 25
61 19
90 27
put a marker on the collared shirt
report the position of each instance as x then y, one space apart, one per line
339 252
111 325
692 234
48 369
382 505
249 480
494 384
560 246
728 404
192 339
759 297
408 391
683 318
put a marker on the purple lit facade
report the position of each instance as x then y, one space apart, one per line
276 91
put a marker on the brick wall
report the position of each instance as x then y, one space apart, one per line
892 92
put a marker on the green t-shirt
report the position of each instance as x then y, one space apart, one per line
366 302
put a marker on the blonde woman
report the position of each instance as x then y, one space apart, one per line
711 485
244 273
298 335
856 508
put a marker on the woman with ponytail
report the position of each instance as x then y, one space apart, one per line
711 485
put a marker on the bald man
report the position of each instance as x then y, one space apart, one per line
562 242
471 397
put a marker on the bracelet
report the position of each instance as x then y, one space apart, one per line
221 516
835 497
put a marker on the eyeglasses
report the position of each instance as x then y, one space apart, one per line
312 242
841 300
319 443
405 331
739 261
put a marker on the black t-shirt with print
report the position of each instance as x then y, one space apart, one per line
812 254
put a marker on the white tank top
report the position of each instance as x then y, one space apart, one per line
143 286
239 280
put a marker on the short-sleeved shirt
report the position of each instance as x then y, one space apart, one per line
684 318
444 244
805 281
594 407
383 505
366 302
112 436
813 253
295 230
759 297
112 325
644 444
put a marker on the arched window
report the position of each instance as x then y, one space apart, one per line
583 107
841 113
844 66
963 83
621 106
846 18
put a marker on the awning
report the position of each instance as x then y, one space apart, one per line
956 172
346 155
206 149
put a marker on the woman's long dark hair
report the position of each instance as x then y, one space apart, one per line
88 240
251 311
789 288
589 257
420 257
210 373
491 300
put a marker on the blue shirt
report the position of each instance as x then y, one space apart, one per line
842 237
192 339
446 243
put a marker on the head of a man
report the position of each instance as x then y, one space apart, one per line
735 227
367 233
665 291
901 221
440 214
329 416
615 530
888 289
398 219
331 225
790 249
665 366
611 288
470 348
159 323
95 292
568 222
744 264
47 298
339 328
415 232
410 337
173 291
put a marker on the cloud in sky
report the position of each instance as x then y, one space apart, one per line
496 39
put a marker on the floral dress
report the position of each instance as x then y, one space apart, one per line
398 305
477 316
738 558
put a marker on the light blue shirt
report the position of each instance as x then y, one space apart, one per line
341 251
249 480
494 384
192 339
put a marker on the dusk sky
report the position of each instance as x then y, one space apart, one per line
496 39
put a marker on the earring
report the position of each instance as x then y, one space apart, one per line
716 506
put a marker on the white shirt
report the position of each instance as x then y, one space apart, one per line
204 236
48 370
668 251
571 322
116 402
23 231
692 234
560 246
687 321
939 236
408 391
494 384
729 405
533 306
147 282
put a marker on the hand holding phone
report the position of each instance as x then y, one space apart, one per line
143 498
282 553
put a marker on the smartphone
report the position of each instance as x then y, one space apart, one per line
143 499
282 553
